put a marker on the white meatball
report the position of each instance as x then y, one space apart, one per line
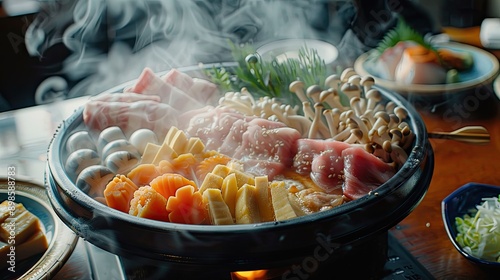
79 140
79 160
121 162
141 137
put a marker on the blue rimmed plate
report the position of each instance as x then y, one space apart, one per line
459 203
60 238
483 72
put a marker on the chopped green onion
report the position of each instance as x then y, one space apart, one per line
479 231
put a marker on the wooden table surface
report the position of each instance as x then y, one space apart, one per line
456 164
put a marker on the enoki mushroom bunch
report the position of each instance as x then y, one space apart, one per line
367 120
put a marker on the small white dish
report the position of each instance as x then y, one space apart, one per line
289 48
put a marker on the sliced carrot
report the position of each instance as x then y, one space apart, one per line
167 184
187 207
208 164
142 174
119 192
148 203
184 164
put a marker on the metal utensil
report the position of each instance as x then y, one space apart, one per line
473 134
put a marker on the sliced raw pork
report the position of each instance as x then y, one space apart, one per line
323 160
267 147
363 172
129 111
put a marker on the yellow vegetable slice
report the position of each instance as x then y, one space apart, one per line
263 199
164 153
229 192
217 208
281 205
296 206
221 170
170 135
195 146
247 210
211 181
149 153
179 142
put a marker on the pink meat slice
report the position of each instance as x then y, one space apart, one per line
129 116
306 150
150 84
204 90
178 79
327 170
267 145
363 172
200 89
213 126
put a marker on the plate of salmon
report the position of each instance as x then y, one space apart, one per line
406 62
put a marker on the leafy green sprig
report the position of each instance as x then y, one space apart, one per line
270 78
402 32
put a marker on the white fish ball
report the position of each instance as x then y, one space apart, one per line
118 145
79 160
79 140
108 135
121 162
93 180
141 137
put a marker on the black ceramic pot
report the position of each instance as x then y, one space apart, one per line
322 237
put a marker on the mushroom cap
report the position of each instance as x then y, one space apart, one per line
252 58
374 95
332 81
401 112
349 88
296 85
355 100
348 72
383 115
312 90
367 81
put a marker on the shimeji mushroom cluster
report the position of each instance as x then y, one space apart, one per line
367 120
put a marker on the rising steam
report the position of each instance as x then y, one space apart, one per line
113 41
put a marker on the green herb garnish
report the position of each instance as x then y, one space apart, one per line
402 32
270 78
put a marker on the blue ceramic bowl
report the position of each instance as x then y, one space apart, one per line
459 203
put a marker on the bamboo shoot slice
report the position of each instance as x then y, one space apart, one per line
179 142
282 208
149 153
211 181
217 208
229 192
263 199
247 210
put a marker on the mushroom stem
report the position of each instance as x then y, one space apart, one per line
330 97
300 123
397 154
308 111
318 128
297 87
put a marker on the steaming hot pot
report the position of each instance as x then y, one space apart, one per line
307 241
